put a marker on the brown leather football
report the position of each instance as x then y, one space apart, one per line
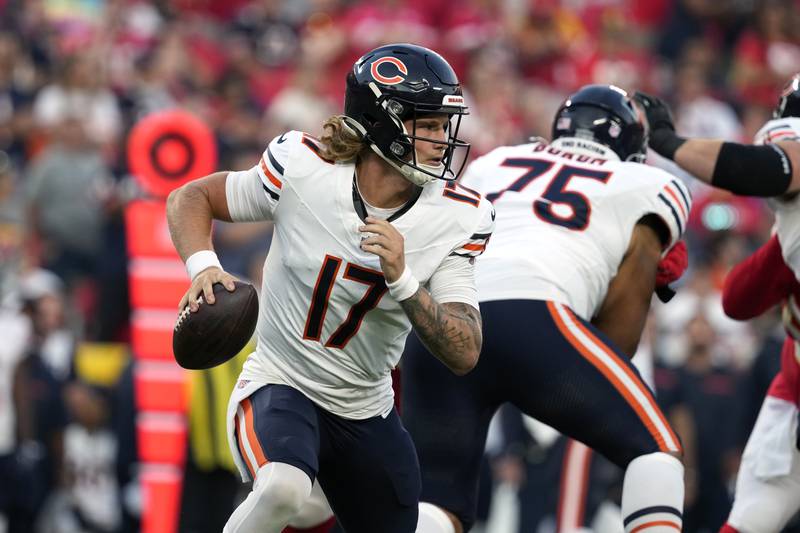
218 331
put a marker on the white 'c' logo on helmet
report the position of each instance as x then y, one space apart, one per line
394 80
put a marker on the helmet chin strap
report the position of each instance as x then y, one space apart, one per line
414 175
410 173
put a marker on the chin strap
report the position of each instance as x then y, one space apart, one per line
410 173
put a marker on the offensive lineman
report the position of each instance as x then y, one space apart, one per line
364 220
768 482
581 231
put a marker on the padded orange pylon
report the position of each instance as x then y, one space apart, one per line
160 387
162 438
151 334
161 491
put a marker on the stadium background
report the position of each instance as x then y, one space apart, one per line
76 75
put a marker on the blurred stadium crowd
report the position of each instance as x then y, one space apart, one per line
75 75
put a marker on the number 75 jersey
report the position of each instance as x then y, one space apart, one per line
564 221
327 325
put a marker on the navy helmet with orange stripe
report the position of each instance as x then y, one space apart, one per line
606 115
789 102
400 82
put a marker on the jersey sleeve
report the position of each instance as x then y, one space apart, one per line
254 194
454 281
782 129
673 203
476 243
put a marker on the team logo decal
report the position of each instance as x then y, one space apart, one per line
393 80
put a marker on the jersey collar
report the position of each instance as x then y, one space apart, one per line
361 208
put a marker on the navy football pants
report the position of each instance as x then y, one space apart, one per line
553 366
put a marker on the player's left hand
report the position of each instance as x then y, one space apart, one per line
673 265
657 111
388 244
670 269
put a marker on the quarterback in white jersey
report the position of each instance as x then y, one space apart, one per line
565 287
372 238
325 326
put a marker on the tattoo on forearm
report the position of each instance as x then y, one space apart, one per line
448 330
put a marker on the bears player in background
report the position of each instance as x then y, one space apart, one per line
768 483
372 237
565 287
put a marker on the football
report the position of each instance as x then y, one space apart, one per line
216 332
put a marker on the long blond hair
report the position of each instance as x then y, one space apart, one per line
339 142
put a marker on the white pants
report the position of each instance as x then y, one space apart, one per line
768 483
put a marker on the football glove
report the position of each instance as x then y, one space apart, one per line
662 138
670 269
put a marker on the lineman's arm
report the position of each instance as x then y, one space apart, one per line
624 311
190 211
749 170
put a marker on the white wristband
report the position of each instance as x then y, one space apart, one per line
404 287
199 261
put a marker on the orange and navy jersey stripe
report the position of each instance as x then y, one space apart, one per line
250 449
678 200
271 173
620 375
781 132
474 246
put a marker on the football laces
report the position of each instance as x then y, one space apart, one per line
186 312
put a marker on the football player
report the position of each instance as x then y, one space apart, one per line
768 483
372 237
565 287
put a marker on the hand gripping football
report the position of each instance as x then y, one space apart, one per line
216 332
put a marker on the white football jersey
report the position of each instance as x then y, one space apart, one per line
565 218
787 213
327 325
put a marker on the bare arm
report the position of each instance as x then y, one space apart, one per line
190 211
450 331
744 169
624 311
699 158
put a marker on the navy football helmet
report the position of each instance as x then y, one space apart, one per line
606 115
398 82
789 102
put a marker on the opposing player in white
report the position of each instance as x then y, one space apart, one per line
372 237
565 287
768 481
